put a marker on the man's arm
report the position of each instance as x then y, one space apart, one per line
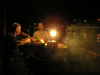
25 35
22 42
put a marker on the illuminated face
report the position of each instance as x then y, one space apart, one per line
40 26
18 30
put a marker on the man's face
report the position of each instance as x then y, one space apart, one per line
40 26
18 30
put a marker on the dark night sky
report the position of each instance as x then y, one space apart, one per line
29 11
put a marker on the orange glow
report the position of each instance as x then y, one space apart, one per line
98 19
74 35
85 20
74 20
85 36
53 19
98 38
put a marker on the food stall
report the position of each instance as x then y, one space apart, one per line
74 55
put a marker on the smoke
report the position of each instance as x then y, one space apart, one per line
73 42
80 37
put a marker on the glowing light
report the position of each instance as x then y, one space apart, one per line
53 33
45 44
53 41
98 38
98 19
74 20
34 23
85 20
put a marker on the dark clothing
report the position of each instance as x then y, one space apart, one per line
10 47
18 37
9 66
10 55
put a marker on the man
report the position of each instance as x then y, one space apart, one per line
11 51
41 33
21 35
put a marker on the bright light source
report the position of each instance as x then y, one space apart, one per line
53 33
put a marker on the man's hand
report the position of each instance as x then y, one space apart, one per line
32 39
24 34
28 40
22 42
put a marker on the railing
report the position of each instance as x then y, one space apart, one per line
95 54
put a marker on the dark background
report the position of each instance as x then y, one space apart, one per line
48 11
